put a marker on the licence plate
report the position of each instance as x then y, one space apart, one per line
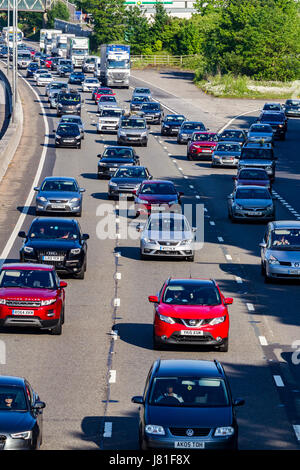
254 213
191 332
58 206
158 208
168 248
113 169
133 138
53 258
68 140
23 312
205 151
294 271
189 445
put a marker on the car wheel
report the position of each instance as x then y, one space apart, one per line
190 258
79 146
224 345
157 345
188 157
57 330
80 275
142 257
78 214
262 269
268 280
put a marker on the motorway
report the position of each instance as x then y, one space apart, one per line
88 375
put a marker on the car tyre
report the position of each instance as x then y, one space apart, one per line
262 269
190 258
157 345
224 346
57 330
142 256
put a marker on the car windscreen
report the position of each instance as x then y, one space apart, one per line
111 113
168 224
257 154
116 152
196 392
158 188
140 99
293 103
69 99
144 91
150 107
71 119
228 148
105 92
108 98
68 129
253 175
178 119
253 193
257 128
286 238
12 399
272 117
52 185
132 172
191 294
118 64
232 135
133 124
91 80
58 86
204 137
190 126
27 278
43 230
272 107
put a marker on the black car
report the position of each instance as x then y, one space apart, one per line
233 135
32 67
113 157
69 103
258 155
277 120
76 78
187 404
58 242
66 70
292 108
137 102
68 135
21 415
126 180
152 112
54 63
171 124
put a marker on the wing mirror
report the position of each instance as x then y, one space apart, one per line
22 234
228 301
85 236
153 299
99 155
36 188
238 402
63 284
137 400
263 245
82 190
39 405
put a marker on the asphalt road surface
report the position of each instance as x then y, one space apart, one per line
88 375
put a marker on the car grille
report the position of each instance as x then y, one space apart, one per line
58 201
285 263
191 339
168 243
133 135
186 322
198 432
127 186
23 303
41 253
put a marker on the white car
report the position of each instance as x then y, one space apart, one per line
89 84
109 118
38 72
43 79
106 101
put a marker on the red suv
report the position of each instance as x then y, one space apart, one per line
191 311
201 145
101 92
31 295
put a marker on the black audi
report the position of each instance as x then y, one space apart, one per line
21 415
171 124
187 404
58 242
113 157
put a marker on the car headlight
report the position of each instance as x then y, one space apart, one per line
237 206
217 320
148 240
273 260
2 301
22 435
154 429
166 125
48 302
122 133
28 249
186 242
216 157
78 136
224 431
75 251
144 134
75 199
42 199
111 183
60 105
166 319
78 105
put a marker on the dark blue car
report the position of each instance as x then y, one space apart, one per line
187 404
76 78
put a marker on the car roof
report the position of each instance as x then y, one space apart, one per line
160 181
188 368
11 380
59 178
257 145
286 224
186 281
56 220
168 215
28 266
251 186
253 168
73 116
118 147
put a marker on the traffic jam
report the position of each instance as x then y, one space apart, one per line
185 403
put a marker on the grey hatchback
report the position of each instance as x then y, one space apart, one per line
21 418
59 194
251 203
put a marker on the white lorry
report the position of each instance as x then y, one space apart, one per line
60 47
77 50
115 65
50 39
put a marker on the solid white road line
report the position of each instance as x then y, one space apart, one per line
20 221
250 307
263 341
112 376
107 429
228 257
297 431
117 302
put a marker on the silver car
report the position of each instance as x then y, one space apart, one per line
75 120
167 234
44 78
280 250
226 154
55 86
260 132
59 194
89 84
107 101
251 203
141 91
133 130
53 99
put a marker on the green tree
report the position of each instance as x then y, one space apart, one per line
58 10
137 30
160 21
108 19
258 38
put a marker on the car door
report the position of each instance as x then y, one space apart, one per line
36 414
